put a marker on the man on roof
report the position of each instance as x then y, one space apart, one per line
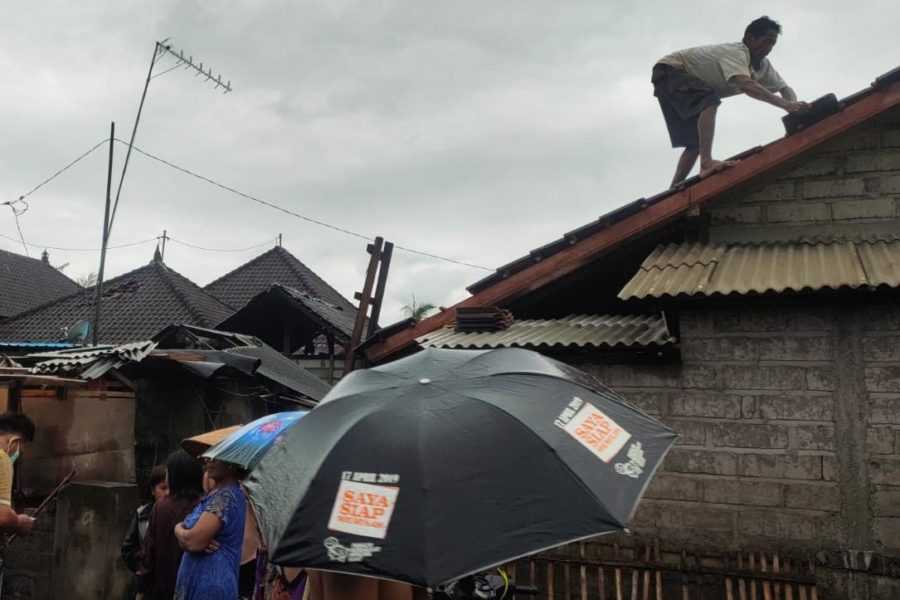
690 84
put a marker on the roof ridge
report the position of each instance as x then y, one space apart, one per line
240 267
288 256
168 274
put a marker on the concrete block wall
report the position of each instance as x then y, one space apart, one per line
789 419
849 186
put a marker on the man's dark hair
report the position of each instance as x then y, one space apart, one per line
18 424
761 26
185 475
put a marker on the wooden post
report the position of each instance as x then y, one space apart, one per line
383 269
365 298
330 338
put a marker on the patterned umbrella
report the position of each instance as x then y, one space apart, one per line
247 445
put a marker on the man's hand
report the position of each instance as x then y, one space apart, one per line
213 546
795 106
25 524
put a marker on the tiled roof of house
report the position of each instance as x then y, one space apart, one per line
29 282
583 245
337 318
135 306
277 265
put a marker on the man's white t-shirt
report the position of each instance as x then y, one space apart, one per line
718 63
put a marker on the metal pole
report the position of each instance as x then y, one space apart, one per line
99 285
137 120
164 238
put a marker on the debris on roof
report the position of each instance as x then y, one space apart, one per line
277 265
482 318
91 363
710 269
818 109
334 317
575 331
135 306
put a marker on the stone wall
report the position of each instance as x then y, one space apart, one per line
789 418
849 186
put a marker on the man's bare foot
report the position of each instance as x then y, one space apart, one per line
714 166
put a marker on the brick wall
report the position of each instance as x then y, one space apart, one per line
789 419
849 186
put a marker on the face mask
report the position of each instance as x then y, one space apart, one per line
13 456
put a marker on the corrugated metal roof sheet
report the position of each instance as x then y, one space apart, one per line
92 363
705 270
575 330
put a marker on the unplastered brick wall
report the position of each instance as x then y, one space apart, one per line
849 186
789 418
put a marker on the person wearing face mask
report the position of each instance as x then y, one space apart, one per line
15 431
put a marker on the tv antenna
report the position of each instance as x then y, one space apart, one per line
161 49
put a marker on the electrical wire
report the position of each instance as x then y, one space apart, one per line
297 215
227 188
61 171
196 247
16 215
128 245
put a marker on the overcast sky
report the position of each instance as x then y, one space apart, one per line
473 130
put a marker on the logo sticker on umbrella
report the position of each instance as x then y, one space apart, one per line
594 429
363 509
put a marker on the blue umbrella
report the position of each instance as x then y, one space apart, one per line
246 446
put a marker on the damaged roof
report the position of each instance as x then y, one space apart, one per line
709 269
574 331
336 317
135 306
277 265
581 246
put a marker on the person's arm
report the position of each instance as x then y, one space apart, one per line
10 522
787 92
200 537
131 545
758 92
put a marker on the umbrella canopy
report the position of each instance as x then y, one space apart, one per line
198 444
247 445
449 462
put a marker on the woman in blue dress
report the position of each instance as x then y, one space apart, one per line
212 536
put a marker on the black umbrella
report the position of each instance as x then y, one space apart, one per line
449 462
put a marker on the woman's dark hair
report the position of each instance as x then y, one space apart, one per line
761 26
185 475
18 424
157 476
